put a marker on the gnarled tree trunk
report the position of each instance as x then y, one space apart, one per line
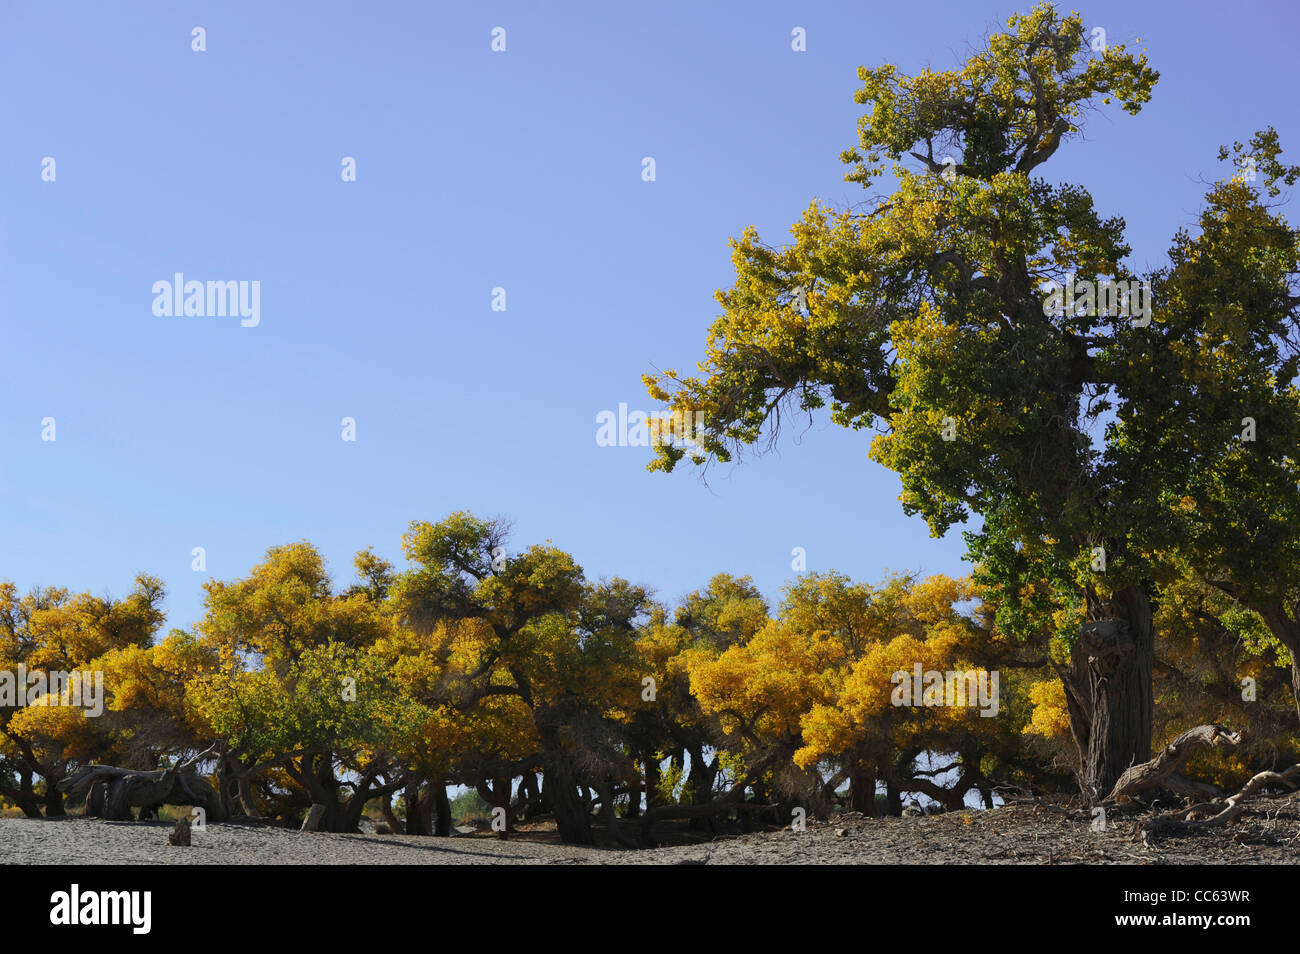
125 789
394 826
1287 630
893 799
862 789
572 819
25 795
1109 691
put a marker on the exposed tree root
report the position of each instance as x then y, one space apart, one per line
1220 811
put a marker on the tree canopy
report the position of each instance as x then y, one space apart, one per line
1091 450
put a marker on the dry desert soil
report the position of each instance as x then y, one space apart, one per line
1024 833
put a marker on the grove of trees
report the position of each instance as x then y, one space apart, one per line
548 694
1129 493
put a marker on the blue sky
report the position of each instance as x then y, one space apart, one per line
475 170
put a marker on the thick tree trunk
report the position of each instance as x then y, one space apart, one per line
1295 678
365 790
862 790
702 776
699 782
426 809
1287 631
893 799
225 786
564 784
314 772
562 788
233 770
386 806
571 818
442 807
1109 689
53 799
1170 760
414 823
27 800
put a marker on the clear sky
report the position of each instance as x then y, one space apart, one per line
474 170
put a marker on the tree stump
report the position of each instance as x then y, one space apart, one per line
313 819
180 834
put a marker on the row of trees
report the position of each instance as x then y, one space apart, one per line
548 693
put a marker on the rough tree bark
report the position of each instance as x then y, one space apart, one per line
699 782
862 789
563 784
1287 631
1109 688
702 776
314 772
247 804
1169 760
571 817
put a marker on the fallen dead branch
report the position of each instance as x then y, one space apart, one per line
113 792
1224 810
1161 770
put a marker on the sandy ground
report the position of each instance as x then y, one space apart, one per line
1019 834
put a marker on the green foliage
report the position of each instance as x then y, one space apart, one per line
468 808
